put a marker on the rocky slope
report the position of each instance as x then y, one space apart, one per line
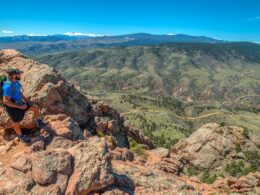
76 161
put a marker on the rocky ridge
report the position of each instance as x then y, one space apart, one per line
74 160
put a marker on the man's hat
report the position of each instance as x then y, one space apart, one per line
12 71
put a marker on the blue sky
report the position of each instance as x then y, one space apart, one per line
237 20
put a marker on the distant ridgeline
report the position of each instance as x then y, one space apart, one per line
38 45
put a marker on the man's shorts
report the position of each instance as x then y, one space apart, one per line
16 114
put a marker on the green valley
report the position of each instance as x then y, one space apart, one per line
170 90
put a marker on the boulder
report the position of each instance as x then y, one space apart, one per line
158 153
60 142
92 168
139 178
48 165
212 145
13 181
123 154
22 163
64 126
160 159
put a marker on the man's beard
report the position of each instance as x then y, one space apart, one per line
18 78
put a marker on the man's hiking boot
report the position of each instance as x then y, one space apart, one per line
40 123
24 138
40 138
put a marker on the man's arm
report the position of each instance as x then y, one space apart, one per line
7 92
7 101
25 99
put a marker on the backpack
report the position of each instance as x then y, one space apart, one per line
3 79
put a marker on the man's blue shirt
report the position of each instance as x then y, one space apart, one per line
14 92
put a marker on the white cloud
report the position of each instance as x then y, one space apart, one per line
84 34
253 19
36 34
7 32
170 34
74 34
96 35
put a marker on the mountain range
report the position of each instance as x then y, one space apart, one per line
135 36
38 45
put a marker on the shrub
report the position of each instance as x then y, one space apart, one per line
238 148
163 141
222 124
136 148
100 134
235 169
192 171
253 158
221 175
238 169
208 178
245 133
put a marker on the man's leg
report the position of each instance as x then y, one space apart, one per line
17 116
17 129
36 111
37 116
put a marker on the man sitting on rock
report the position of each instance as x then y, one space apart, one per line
16 104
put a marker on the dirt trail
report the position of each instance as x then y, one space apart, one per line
195 117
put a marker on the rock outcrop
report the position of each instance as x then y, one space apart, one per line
47 88
67 111
249 184
214 148
212 145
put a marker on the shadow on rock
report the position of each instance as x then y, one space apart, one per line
123 184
